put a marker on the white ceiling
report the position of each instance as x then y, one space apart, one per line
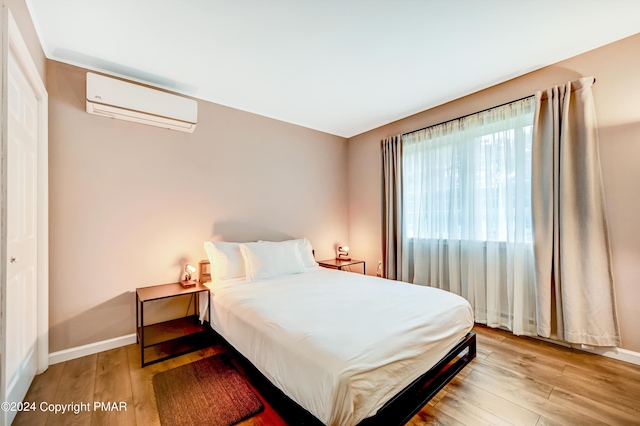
342 67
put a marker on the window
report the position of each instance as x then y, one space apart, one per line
470 179
466 202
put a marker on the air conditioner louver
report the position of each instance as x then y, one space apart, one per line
128 101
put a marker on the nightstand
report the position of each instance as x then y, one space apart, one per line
170 338
340 264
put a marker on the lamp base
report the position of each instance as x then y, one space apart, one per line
343 258
187 284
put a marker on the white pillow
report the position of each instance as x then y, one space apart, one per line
306 253
226 261
268 259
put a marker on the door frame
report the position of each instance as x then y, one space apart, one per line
12 41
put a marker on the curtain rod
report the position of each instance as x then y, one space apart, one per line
474 113
467 115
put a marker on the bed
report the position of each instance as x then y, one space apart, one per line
349 349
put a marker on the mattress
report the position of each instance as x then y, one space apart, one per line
339 344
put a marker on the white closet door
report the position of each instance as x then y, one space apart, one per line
22 247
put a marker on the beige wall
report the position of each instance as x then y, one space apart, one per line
617 95
130 203
21 14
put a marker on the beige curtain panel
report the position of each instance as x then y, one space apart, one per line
574 279
391 155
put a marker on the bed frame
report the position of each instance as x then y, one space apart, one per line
397 411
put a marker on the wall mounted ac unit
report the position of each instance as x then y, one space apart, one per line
128 101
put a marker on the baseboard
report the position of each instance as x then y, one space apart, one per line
91 348
616 353
609 351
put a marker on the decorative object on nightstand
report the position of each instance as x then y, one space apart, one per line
170 338
188 280
343 253
340 264
204 271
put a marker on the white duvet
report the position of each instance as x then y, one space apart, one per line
339 344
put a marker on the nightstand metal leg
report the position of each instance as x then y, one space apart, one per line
142 335
137 324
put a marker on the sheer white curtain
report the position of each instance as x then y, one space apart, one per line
467 213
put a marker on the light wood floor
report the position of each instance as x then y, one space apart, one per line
513 380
